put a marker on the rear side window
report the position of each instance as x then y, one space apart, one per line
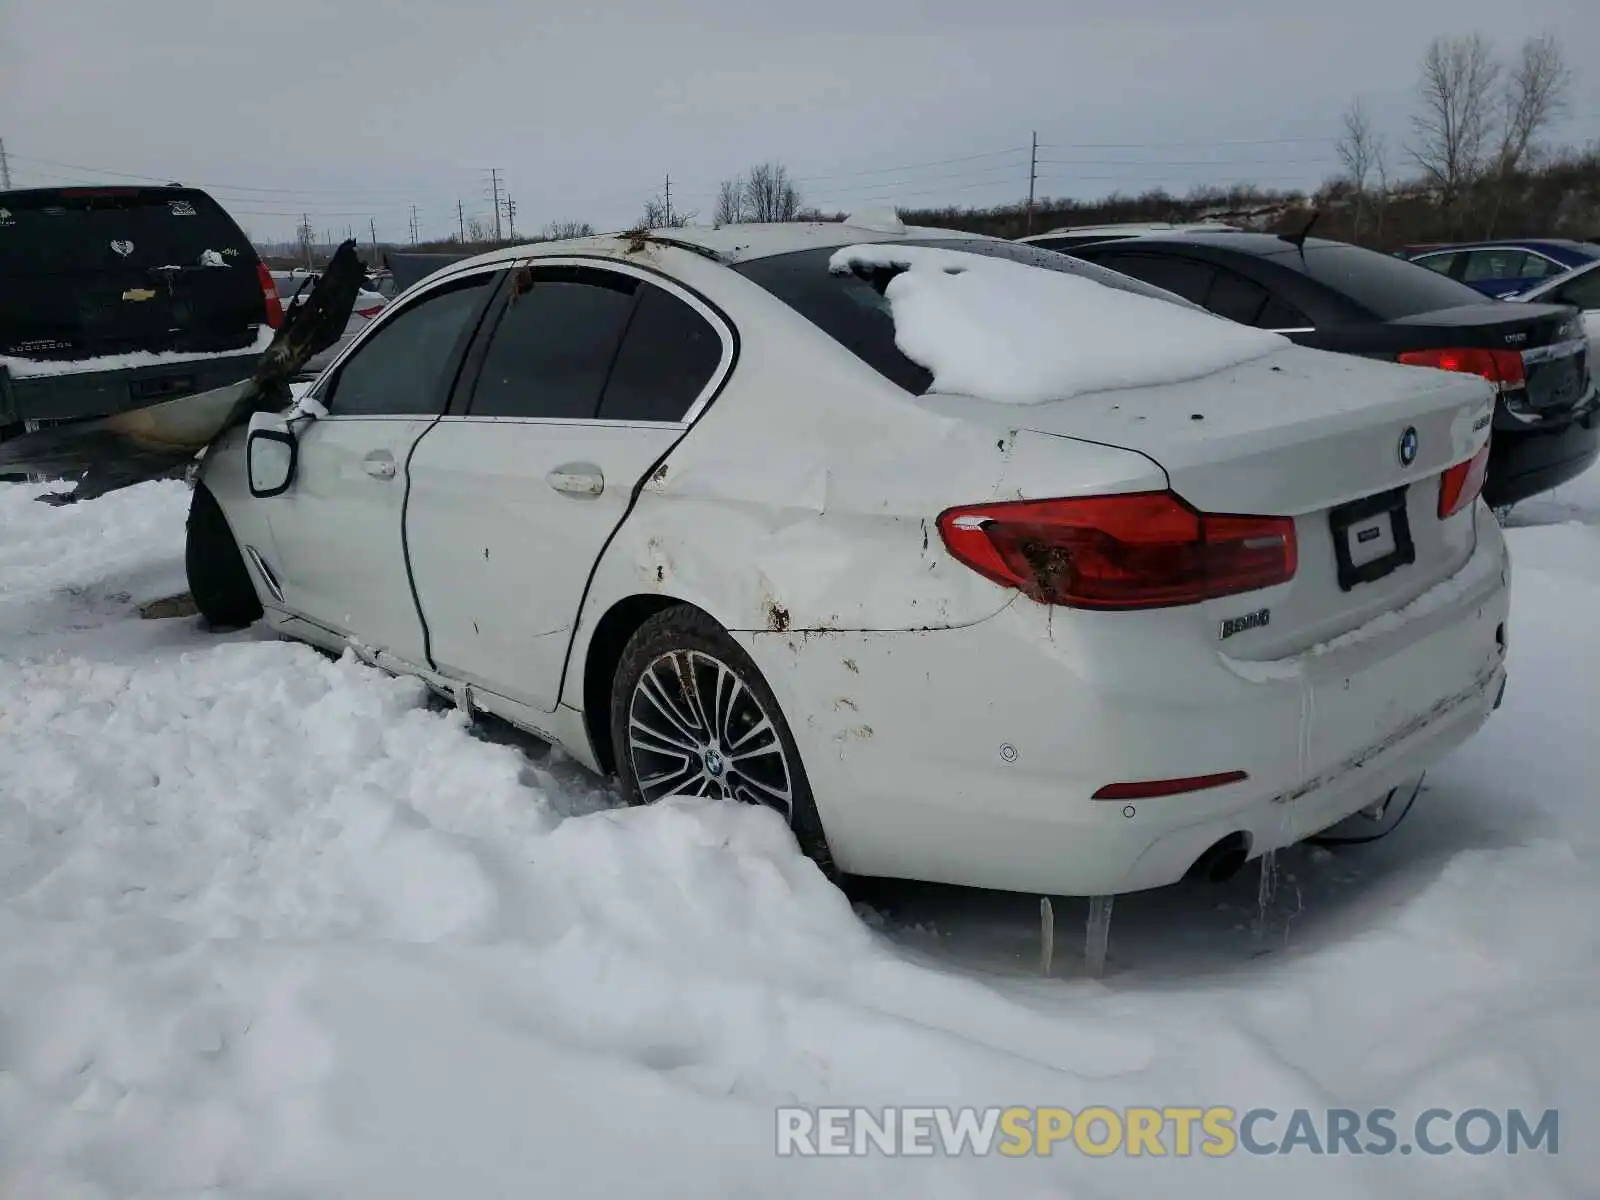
1440 263
1279 314
1387 287
553 348
1502 263
669 355
1181 276
1237 298
407 366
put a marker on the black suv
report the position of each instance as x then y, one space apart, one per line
116 298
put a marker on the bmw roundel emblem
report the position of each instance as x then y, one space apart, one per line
1408 446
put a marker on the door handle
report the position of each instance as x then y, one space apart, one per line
379 464
577 479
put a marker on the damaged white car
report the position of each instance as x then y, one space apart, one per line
977 563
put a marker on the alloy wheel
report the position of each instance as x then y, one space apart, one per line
696 729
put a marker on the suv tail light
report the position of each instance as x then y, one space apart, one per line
269 293
369 313
1141 550
1460 485
1501 367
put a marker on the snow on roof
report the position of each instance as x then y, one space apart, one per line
1025 335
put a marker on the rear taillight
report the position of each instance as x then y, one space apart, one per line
369 313
269 293
1460 485
1502 367
1143 550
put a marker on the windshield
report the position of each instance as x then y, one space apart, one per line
853 311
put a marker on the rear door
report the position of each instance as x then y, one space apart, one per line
91 272
591 375
337 532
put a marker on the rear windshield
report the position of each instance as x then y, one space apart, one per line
92 231
854 312
1385 286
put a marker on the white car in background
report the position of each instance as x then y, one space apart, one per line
1579 287
977 563
294 287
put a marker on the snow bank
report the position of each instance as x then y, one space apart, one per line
271 924
31 368
1017 334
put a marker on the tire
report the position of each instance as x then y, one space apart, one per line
745 764
218 580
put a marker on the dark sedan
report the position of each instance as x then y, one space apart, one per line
1334 296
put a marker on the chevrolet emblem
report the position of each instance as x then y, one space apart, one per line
139 294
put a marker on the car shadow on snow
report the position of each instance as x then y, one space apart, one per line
1304 899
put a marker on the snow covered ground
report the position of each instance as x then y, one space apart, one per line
274 925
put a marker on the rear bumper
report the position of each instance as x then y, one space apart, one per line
1531 459
104 393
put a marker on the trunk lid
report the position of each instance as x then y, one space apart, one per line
1304 434
91 272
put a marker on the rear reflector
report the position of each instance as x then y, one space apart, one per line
269 294
1148 788
1141 550
1460 485
1502 367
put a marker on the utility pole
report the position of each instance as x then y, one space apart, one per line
5 167
413 224
307 236
494 184
1033 176
511 216
461 220
372 225
667 198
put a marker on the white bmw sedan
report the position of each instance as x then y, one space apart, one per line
977 563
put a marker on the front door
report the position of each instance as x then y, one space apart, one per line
588 380
338 529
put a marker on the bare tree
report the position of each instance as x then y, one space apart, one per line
659 215
480 229
1454 129
1356 151
769 194
560 231
1535 93
1380 170
730 201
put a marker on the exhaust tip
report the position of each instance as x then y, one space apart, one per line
1222 860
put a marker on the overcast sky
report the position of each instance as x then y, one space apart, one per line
365 107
